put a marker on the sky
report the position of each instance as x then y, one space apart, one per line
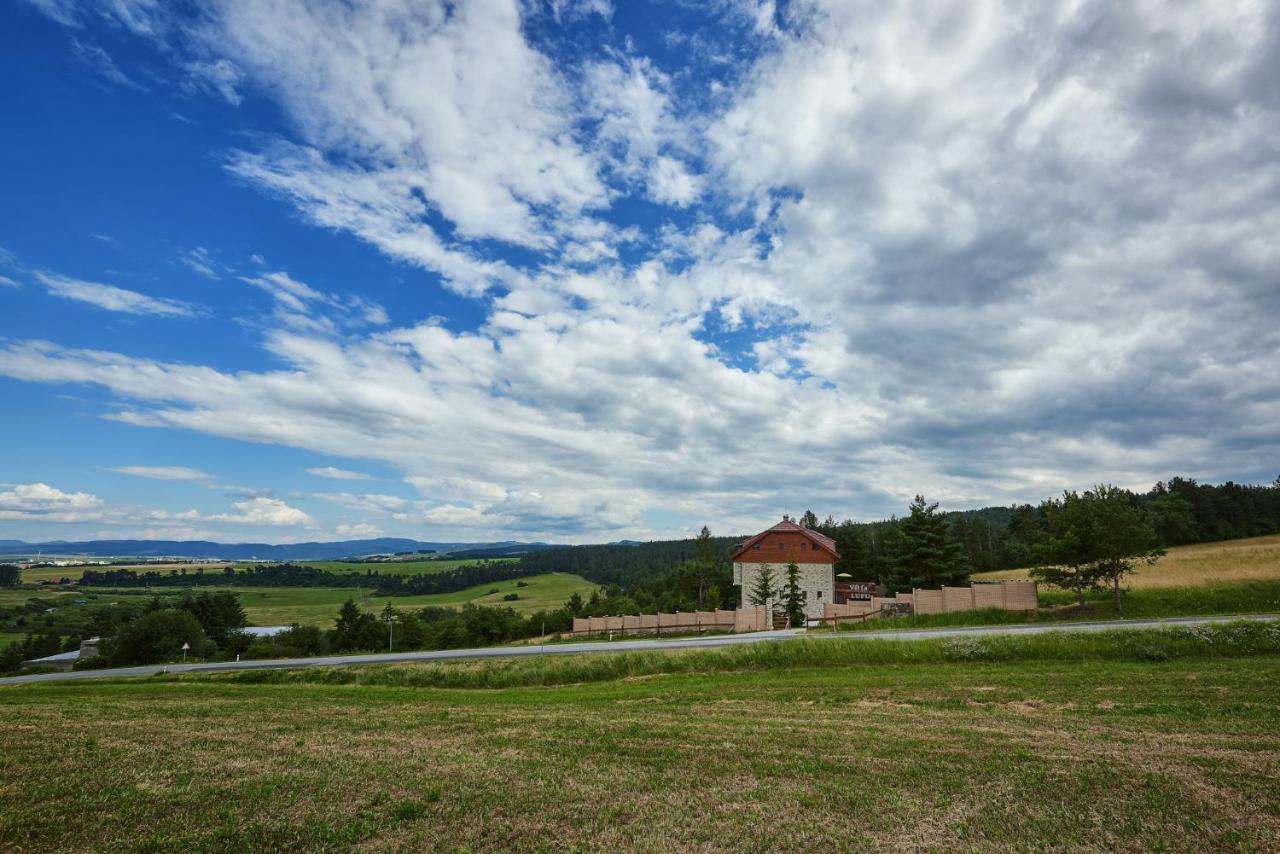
274 270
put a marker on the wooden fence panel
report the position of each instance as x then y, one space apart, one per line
928 601
957 599
988 595
1021 596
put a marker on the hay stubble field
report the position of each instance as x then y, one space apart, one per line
748 749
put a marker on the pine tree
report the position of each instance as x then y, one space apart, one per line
793 598
854 558
809 520
930 556
702 569
762 587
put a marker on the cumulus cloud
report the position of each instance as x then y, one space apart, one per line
111 298
43 503
264 511
163 472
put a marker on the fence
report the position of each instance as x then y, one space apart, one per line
681 622
1007 595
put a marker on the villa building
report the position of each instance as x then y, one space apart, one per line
785 542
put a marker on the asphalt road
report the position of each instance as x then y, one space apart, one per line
620 646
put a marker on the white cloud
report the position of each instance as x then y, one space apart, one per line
264 511
337 473
7 282
163 472
111 298
984 253
368 503
200 260
358 531
39 502
220 76
300 306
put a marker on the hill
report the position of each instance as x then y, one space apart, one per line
262 551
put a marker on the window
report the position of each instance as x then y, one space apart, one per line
804 547
819 594
756 547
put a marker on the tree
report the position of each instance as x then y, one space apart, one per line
701 571
10 575
854 558
1123 536
155 637
929 556
809 520
219 613
1101 535
762 587
793 598
1173 517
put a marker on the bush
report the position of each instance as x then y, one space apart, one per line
511 597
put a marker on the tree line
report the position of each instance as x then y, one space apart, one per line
302 575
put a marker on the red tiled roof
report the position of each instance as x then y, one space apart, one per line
787 526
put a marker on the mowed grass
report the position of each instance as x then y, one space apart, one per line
281 606
1254 559
1084 755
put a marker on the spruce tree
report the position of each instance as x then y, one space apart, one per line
793 598
762 587
930 557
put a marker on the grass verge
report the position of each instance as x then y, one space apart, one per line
1233 639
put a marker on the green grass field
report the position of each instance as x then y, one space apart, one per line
789 747
278 606
41 575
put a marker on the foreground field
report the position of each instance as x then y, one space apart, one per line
1098 755
1254 559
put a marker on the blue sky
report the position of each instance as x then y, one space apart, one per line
276 270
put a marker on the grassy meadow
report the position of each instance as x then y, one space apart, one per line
1229 561
801 745
278 606
48 574
399 567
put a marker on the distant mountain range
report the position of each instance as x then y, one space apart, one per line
263 551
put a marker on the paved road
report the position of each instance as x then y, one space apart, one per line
620 646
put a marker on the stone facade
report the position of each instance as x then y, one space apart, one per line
817 582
